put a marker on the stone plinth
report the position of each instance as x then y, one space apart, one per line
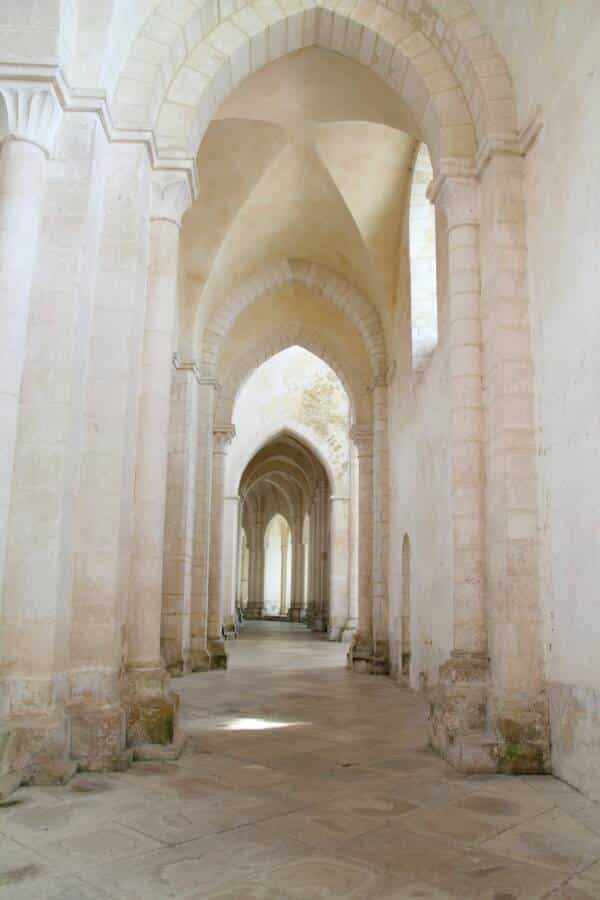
368 657
35 750
152 715
217 655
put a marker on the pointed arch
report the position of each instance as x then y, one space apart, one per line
318 278
199 56
293 334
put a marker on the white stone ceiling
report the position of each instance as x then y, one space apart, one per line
309 159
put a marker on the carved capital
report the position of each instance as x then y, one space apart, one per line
33 113
362 438
171 196
455 190
222 437
458 197
185 365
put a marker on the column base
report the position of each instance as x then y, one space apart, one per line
199 660
318 624
35 750
523 732
458 714
99 736
176 661
348 631
217 654
368 657
253 612
463 732
153 719
295 614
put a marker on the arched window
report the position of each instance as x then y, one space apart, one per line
423 278
278 559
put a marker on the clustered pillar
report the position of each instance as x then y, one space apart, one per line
458 709
32 693
151 708
222 437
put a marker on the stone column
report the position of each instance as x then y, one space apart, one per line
256 573
312 577
230 554
518 704
360 653
317 621
34 731
297 600
222 437
199 656
283 584
339 568
151 709
244 574
380 520
179 519
459 702
33 115
108 435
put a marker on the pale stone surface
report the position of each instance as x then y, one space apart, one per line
297 782
291 143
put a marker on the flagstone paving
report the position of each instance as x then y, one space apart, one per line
299 780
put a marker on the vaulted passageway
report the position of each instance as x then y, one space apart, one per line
281 272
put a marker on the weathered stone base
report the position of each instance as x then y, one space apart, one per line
318 624
458 714
199 660
217 654
295 614
35 750
152 713
348 631
366 657
98 737
473 741
253 612
176 658
522 732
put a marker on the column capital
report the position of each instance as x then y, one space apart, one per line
455 190
33 113
171 196
362 438
222 437
185 365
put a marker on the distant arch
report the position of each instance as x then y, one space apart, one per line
318 278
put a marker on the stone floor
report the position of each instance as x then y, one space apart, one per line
299 780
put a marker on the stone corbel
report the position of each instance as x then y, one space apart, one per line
509 144
171 196
33 113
